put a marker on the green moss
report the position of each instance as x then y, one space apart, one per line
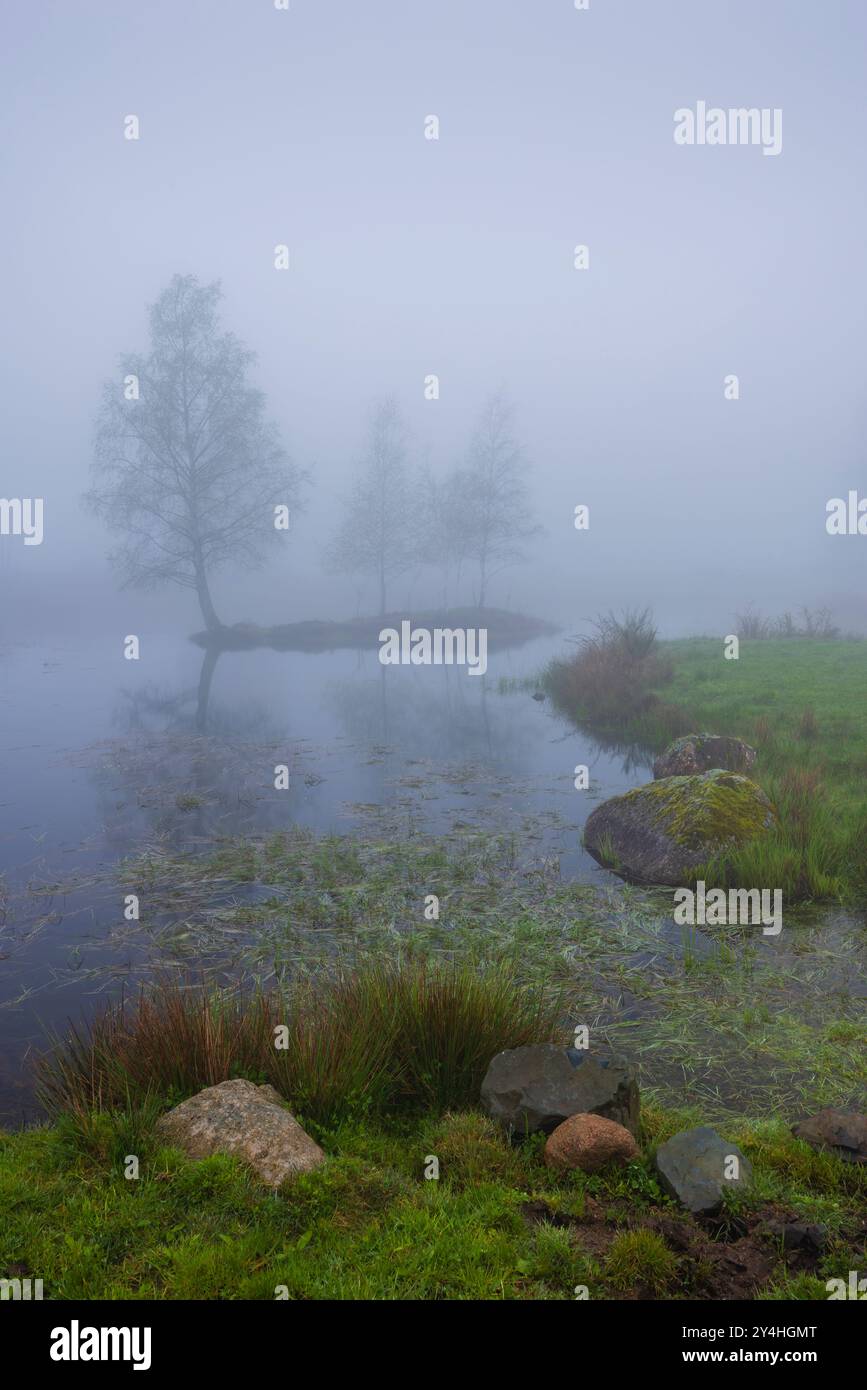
710 808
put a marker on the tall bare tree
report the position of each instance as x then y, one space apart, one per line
376 534
187 470
494 493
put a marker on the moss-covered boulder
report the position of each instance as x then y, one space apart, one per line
701 752
666 830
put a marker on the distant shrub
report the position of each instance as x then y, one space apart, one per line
817 625
633 633
611 676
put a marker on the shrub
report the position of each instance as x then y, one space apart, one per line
816 625
610 678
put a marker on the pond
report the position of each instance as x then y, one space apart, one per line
103 756
107 760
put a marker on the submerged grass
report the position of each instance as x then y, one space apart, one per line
726 1018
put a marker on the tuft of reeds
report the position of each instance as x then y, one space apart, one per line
381 1037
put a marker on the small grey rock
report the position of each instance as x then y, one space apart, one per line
692 1167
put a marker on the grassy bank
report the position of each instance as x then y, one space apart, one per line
393 1019
372 1223
799 702
498 1224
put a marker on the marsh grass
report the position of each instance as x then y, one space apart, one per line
386 1036
727 1018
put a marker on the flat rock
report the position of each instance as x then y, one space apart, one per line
843 1132
539 1086
692 1167
250 1122
696 753
589 1142
664 831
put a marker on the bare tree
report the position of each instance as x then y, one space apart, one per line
377 533
187 469
494 494
442 540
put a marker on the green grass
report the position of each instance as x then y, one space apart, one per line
799 702
801 705
497 1224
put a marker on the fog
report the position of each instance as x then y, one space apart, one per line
412 256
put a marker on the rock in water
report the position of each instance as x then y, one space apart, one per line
589 1142
843 1132
692 1168
538 1087
250 1122
701 753
666 830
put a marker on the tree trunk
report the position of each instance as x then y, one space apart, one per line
209 665
209 613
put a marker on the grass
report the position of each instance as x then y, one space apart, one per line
728 1019
798 701
497 1224
391 1021
390 1035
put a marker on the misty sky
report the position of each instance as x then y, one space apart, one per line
411 256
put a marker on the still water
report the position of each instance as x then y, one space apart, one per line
102 757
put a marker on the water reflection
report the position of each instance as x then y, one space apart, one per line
185 752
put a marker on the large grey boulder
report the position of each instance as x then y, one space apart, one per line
538 1087
841 1132
664 831
696 753
692 1168
251 1122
